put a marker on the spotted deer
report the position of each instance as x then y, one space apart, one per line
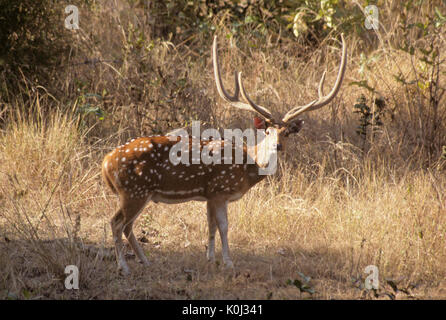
141 170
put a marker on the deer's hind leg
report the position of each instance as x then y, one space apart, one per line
123 221
128 231
117 226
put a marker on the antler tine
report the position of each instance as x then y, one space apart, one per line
234 100
322 100
320 90
221 90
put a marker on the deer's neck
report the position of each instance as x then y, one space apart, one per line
262 153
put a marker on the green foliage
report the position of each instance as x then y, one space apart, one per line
422 39
33 38
368 117
88 107
289 18
303 283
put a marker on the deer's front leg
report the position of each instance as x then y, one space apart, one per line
221 217
212 224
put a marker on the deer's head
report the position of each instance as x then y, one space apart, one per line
277 130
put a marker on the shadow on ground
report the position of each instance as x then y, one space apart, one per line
35 270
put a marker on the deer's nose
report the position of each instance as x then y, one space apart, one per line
279 147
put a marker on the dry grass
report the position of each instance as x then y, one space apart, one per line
332 209
55 213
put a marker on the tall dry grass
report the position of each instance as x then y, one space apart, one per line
326 225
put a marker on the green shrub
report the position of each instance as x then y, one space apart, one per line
33 38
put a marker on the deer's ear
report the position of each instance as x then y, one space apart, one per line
259 123
294 127
298 124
